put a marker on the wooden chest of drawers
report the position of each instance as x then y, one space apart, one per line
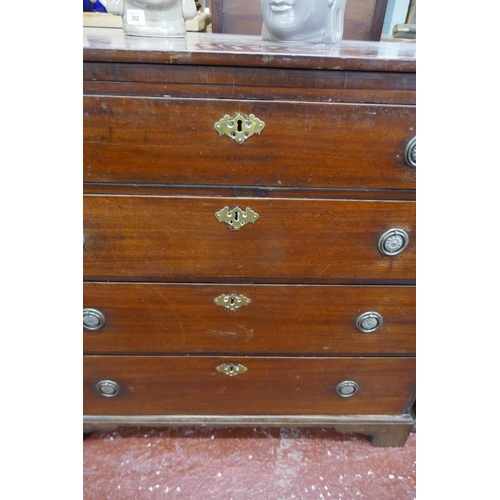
249 233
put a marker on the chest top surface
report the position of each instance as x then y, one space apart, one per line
111 45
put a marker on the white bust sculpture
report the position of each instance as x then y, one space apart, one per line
307 21
153 17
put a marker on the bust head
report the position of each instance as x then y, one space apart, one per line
310 21
153 17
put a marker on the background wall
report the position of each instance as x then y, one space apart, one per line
396 13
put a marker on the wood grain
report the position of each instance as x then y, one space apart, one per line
299 320
183 385
180 239
136 140
212 49
224 82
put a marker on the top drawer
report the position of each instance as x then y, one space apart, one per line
174 141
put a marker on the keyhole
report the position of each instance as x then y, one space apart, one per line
235 218
232 301
240 125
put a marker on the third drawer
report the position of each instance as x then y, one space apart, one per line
249 319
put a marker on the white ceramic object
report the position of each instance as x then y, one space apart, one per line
162 18
306 21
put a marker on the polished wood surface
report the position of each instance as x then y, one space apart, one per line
314 320
320 145
211 49
363 18
183 385
180 239
223 82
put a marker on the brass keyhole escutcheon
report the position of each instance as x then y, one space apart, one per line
231 370
239 128
232 301
236 218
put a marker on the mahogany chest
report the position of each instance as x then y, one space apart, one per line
249 233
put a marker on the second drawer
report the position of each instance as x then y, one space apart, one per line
249 319
186 239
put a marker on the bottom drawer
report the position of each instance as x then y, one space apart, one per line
180 385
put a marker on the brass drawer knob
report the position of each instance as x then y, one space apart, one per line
232 301
93 319
231 370
236 218
108 388
347 389
393 241
239 128
411 153
369 321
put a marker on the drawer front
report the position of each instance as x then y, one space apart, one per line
250 319
270 386
181 239
174 141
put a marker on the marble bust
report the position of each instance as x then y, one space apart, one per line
162 18
307 21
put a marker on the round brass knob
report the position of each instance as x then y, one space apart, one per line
393 241
369 321
411 153
93 319
347 389
107 388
